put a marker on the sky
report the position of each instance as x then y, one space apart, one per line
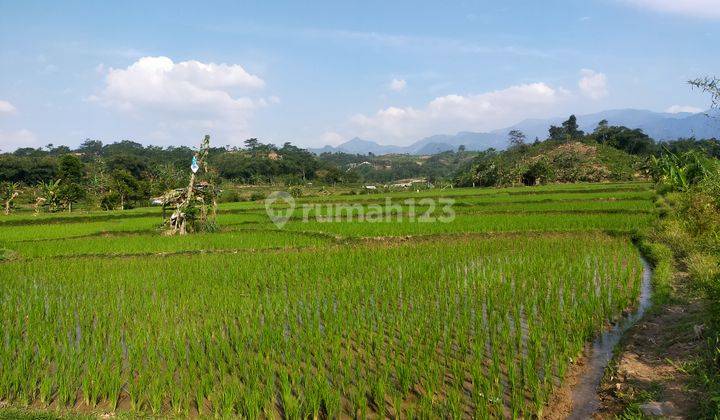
321 72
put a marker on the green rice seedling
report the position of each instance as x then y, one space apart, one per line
429 326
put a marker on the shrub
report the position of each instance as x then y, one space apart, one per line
699 212
228 196
6 254
110 201
257 196
673 233
660 257
703 269
296 191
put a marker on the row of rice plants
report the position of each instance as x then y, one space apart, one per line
379 225
481 327
154 243
344 211
470 195
529 191
463 197
102 226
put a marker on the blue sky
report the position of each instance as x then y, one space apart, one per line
319 73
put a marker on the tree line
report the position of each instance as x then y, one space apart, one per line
127 174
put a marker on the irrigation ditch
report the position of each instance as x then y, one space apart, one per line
579 398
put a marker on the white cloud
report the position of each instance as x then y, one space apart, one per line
187 95
452 113
158 82
13 139
593 84
332 138
396 85
6 107
709 9
676 109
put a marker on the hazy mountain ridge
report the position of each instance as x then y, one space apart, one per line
658 125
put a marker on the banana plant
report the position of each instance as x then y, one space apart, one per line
681 171
9 192
49 196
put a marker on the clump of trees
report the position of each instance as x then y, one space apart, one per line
127 174
351 168
609 153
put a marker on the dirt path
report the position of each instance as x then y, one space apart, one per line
649 376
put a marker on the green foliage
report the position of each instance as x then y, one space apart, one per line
29 170
691 180
709 85
549 162
610 153
70 169
632 141
258 195
661 258
260 163
50 195
296 191
678 172
124 191
568 131
71 172
388 168
8 193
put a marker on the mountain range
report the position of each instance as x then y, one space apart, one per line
658 125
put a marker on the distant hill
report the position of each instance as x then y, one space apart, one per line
363 147
658 125
427 146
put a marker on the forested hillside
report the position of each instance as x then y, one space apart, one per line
609 153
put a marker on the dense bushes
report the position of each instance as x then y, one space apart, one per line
609 153
691 228
127 174
551 161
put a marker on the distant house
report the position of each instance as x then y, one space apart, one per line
402 185
407 183
355 165
370 187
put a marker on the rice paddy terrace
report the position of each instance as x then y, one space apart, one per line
476 315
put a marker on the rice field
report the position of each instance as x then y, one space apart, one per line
475 317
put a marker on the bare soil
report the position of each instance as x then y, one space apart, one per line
650 369
561 403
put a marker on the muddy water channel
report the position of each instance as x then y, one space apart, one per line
584 395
